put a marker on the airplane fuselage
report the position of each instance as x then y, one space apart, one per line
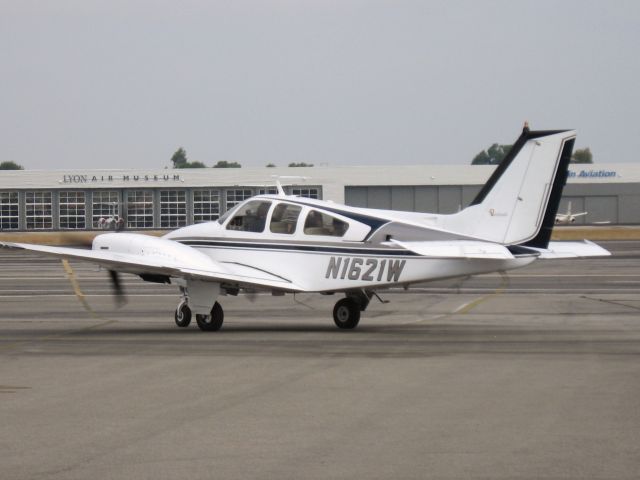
330 264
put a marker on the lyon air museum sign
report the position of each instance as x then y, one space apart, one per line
81 179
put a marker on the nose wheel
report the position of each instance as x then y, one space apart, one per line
183 315
213 321
346 313
207 323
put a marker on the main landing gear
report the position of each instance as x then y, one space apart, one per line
346 313
206 323
213 321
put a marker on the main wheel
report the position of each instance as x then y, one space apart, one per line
183 315
346 313
212 322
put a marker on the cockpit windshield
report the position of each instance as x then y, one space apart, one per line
228 213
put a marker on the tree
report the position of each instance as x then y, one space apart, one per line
301 164
194 165
179 158
270 165
582 155
9 165
225 164
492 155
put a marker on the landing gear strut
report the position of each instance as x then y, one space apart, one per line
213 321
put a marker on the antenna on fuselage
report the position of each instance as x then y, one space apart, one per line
281 191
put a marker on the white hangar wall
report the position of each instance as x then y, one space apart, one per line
165 199
607 194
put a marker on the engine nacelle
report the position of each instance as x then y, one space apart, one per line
167 251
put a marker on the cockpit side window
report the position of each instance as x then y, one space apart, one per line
250 217
285 218
318 223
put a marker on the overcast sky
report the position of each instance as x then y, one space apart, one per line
123 84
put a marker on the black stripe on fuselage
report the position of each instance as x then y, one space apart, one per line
297 248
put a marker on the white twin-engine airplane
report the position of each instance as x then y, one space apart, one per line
288 244
568 218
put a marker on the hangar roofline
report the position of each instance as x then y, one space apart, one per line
375 175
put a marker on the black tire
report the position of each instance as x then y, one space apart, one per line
212 322
183 315
346 313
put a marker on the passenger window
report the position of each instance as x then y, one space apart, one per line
250 217
318 223
285 218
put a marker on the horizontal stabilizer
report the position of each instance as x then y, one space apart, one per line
457 249
571 250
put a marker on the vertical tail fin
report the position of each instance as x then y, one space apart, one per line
519 202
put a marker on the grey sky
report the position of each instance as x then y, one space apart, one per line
123 84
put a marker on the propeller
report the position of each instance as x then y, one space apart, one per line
116 287
76 287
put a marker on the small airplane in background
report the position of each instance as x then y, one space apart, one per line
288 244
568 218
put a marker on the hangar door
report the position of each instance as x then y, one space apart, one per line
427 198
601 209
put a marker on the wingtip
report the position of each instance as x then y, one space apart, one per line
11 245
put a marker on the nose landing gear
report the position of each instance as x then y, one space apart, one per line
206 322
183 315
213 321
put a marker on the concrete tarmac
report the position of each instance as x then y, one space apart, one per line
529 376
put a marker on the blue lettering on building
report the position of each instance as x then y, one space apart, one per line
593 174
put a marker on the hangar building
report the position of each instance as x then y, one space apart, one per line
32 200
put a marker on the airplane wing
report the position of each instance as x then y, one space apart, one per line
457 249
211 270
